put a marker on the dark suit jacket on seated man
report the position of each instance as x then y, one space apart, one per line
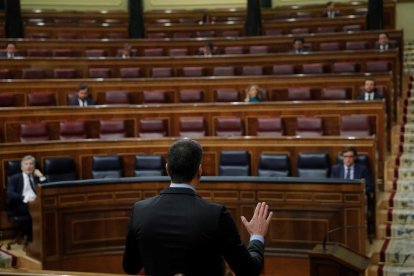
178 232
351 170
82 98
21 190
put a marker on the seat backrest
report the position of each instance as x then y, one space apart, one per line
329 46
269 127
326 29
116 97
12 167
153 128
64 73
309 127
5 74
274 165
313 165
59 169
38 53
63 53
345 67
108 166
377 66
234 163
296 31
313 68
100 72
154 96
7 100
192 127
227 95
112 129
356 45
355 125
72 130
193 71
223 71
351 28
41 99
191 96
96 53
161 72
130 72
34 132
299 94
175 52
33 73
252 70
230 126
230 33
259 49
283 69
333 94
153 52
149 165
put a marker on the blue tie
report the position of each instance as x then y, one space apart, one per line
348 173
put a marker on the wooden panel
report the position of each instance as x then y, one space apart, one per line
90 228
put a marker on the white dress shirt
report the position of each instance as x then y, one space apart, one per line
351 173
28 192
369 96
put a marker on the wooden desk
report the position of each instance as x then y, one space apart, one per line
82 226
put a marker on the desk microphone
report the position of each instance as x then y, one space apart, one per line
325 238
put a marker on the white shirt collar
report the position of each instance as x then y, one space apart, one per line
182 185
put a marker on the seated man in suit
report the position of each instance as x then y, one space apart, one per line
10 51
82 98
370 92
179 233
206 50
299 46
384 43
330 11
351 170
126 51
21 190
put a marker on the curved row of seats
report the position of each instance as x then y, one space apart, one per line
232 163
199 71
353 125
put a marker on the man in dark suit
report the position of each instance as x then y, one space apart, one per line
126 51
384 43
21 190
299 46
82 98
330 11
351 170
179 233
10 51
370 92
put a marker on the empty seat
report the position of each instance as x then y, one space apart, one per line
117 35
66 36
153 52
38 53
326 29
96 53
356 45
230 126
41 99
227 95
205 33
298 31
269 127
234 163
64 73
233 50
329 46
273 32
109 166
33 132
344 67
333 94
39 36
182 35
351 28
355 125
283 69
112 129
153 128
62 53
313 165
251 70
191 96
69 130
33 73
161 72
7 100
130 72
100 73
259 49
5 74
155 96
193 71
309 127
157 35
149 165
313 68
59 169
377 66
302 14
13 167
299 94
230 33
271 165
192 127
178 52
116 97
223 71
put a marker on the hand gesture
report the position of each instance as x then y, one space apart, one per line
37 173
259 224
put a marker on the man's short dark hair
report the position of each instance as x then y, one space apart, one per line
369 79
349 149
184 158
384 33
301 39
82 86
